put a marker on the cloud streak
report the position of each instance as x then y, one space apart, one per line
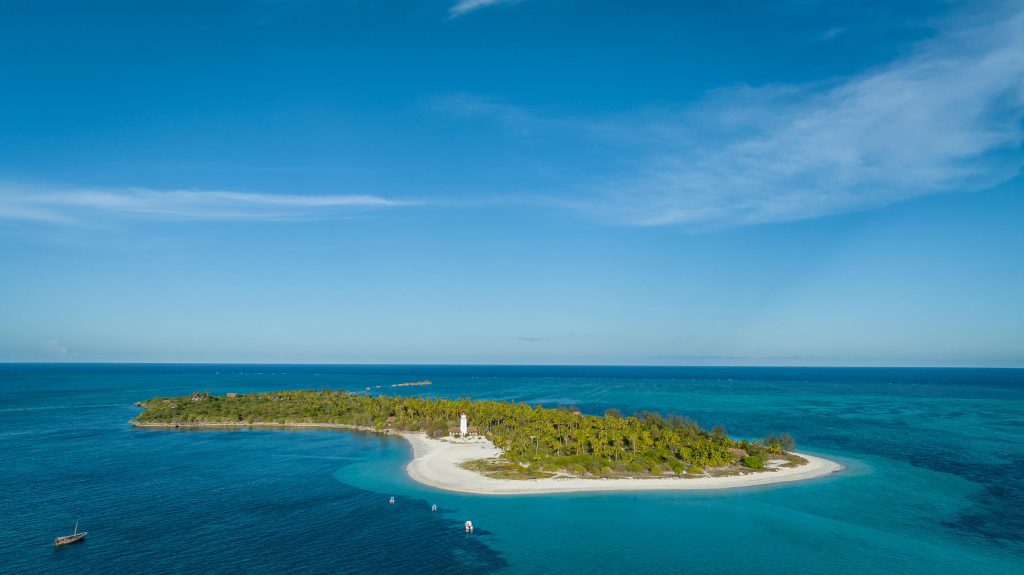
65 206
530 339
463 7
55 348
946 117
476 107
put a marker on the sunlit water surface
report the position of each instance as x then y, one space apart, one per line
934 478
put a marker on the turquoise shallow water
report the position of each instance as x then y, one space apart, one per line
934 478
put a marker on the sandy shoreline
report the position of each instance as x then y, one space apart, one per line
436 464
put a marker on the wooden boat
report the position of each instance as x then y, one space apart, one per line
68 539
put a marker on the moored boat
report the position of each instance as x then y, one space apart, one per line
68 539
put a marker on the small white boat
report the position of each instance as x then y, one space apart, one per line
433 507
392 500
469 527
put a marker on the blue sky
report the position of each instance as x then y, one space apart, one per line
532 181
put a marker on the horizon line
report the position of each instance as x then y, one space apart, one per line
610 365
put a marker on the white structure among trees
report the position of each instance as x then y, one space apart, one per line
464 428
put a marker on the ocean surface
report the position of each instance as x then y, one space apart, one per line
934 478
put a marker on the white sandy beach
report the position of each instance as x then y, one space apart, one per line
436 463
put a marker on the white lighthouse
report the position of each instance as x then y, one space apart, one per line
464 429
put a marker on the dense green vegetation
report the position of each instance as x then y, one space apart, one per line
540 439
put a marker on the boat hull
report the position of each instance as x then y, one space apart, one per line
68 539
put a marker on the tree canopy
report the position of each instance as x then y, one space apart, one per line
542 438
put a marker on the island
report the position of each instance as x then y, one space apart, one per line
513 448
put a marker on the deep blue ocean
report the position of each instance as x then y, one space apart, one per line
934 478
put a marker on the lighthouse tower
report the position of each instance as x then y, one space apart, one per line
463 424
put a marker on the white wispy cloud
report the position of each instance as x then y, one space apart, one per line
474 106
831 33
463 7
945 117
529 339
55 348
20 202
